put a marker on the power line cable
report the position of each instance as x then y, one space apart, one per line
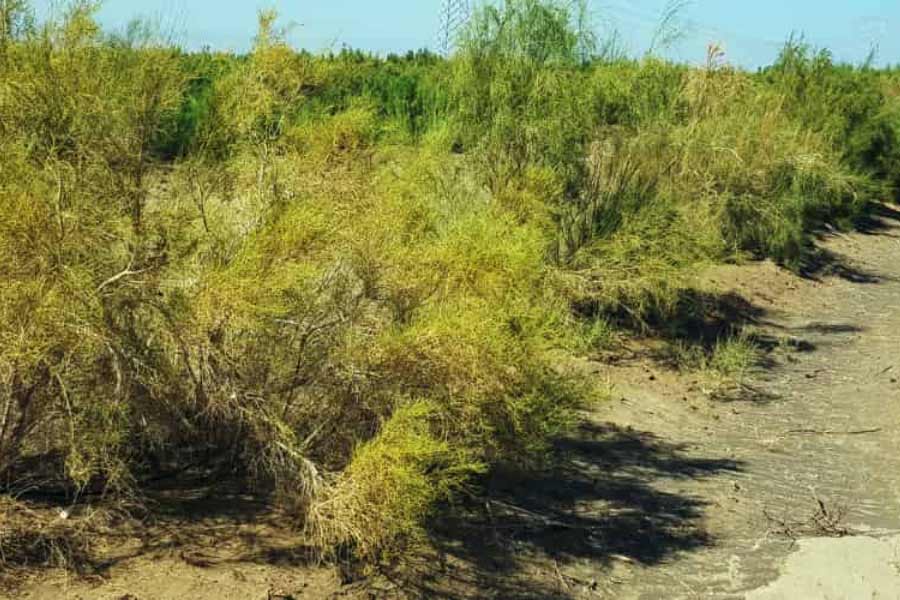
728 35
453 16
693 25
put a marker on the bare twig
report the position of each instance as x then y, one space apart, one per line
559 575
545 520
821 522
835 432
126 273
4 424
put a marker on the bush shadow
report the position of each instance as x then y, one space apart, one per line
877 219
185 515
602 501
822 263
701 320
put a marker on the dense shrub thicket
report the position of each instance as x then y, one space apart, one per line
346 279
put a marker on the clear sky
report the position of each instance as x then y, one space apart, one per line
751 30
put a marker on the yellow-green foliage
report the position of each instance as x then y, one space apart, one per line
255 101
770 177
722 367
348 134
350 279
722 171
516 90
78 260
391 485
431 295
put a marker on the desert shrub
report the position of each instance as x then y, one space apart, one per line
489 400
392 484
347 280
637 93
773 180
80 117
444 304
348 133
846 104
517 91
409 89
332 282
710 166
185 134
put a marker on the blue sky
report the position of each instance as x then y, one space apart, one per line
751 31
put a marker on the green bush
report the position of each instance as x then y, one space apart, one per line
846 104
350 280
517 92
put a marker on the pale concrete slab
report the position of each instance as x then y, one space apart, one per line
849 568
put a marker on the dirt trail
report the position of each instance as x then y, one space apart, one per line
668 492
811 448
814 443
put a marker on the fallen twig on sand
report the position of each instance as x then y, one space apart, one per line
823 521
544 519
565 578
562 580
835 432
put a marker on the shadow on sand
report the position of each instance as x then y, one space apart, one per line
599 503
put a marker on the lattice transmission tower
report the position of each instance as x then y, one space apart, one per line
454 15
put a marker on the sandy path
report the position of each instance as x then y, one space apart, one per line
669 493
666 492
820 423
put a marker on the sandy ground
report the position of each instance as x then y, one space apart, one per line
813 440
671 492
787 487
849 567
